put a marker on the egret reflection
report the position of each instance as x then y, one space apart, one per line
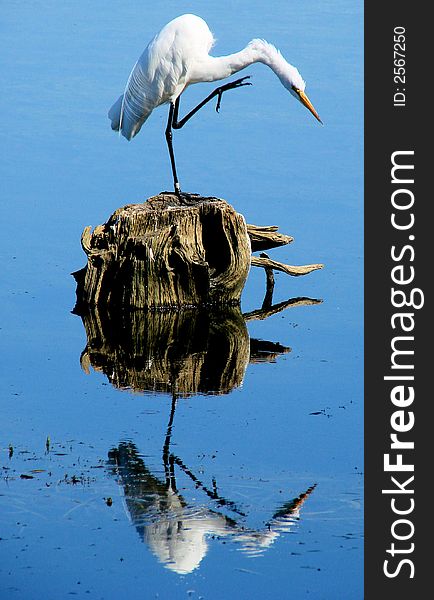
178 531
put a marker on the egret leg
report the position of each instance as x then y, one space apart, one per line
170 146
217 92
173 123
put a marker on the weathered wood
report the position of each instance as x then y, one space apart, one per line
266 237
172 252
166 252
267 263
269 275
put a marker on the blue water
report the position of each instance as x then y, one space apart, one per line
82 522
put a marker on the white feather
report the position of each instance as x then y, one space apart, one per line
179 56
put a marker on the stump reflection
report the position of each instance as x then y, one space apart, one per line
178 352
185 352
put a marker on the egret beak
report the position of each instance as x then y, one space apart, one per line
308 104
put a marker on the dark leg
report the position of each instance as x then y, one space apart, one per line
169 466
211 494
217 92
173 123
170 146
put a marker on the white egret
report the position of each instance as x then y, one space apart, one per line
177 57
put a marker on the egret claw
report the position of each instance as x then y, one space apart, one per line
219 99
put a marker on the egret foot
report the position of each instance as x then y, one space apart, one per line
183 197
230 86
188 199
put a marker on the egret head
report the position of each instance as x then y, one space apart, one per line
289 75
299 93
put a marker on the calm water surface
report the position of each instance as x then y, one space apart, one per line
247 483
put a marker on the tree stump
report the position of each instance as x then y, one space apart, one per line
167 252
172 252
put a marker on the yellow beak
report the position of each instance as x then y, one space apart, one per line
308 104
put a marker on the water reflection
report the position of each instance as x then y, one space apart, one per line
186 352
177 531
182 353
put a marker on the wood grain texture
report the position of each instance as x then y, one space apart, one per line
171 252
166 252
